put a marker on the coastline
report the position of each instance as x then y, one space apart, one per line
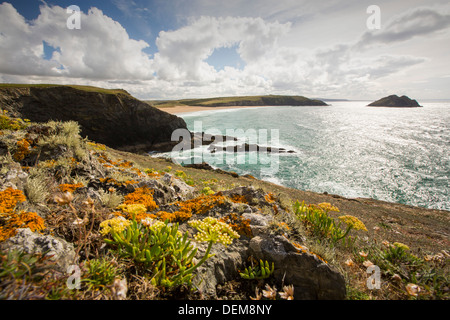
185 109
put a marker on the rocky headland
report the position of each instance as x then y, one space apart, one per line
111 117
394 101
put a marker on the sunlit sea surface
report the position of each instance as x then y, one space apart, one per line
348 149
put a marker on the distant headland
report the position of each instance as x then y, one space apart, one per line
394 101
238 101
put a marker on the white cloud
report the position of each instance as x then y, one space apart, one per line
182 53
101 49
414 23
21 51
102 54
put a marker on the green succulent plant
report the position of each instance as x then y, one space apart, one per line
261 271
159 248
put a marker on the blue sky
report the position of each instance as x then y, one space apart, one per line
167 49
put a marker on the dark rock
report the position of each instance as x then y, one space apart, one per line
312 278
247 148
395 102
203 166
3 148
206 166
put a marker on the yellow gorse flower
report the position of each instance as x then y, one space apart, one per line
117 224
353 222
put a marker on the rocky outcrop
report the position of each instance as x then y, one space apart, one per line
311 277
395 101
58 250
245 147
115 119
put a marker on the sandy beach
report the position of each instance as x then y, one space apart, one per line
184 109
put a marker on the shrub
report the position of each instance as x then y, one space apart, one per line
320 224
110 199
207 191
8 123
161 249
36 188
67 134
157 248
100 273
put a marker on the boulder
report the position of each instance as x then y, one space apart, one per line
14 178
312 278
221 267
58 249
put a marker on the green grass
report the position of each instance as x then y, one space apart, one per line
78 87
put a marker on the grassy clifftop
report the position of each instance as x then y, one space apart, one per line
268 100
82 88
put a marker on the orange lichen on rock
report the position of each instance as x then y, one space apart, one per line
11 221
66 187
172 216
113 182
283 225
23 149
24 219
124 164
9 199
238 199
239 224
108 163
143 196
270 198
200 205
302 249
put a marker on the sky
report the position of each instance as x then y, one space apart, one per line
167 49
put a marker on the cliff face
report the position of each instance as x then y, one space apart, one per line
115 119
396 102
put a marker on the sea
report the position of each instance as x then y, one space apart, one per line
345 148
